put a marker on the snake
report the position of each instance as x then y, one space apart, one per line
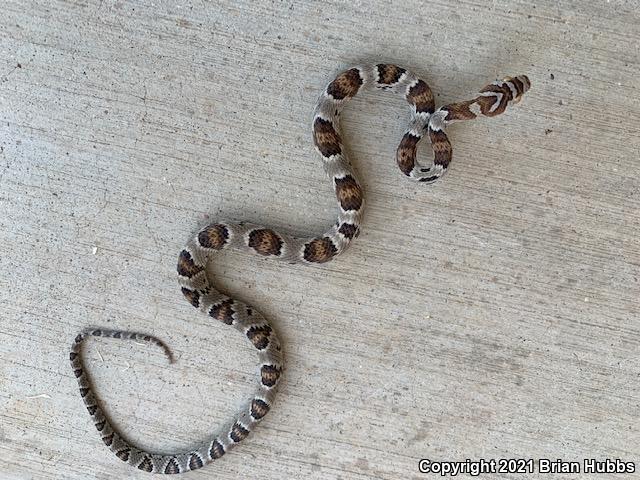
493 99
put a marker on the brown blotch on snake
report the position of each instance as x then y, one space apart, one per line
238 433
186 265
123 454
217 450
259 336
214 236
389 74
349 193
460 111
259 408
345 85
270 375
199 290
108 440
173 467
441 148
326 138
319 250
349 230
192 296
421 97
406 153
265 242
195 462
223 311
146 465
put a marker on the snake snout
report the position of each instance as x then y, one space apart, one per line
522 86
525 81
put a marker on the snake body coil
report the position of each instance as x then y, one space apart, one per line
492 100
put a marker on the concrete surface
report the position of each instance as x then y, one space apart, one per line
494 314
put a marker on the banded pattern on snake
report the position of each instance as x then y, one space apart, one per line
492 100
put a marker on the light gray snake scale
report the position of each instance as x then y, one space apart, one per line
492 100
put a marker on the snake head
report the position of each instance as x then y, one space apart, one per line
521 83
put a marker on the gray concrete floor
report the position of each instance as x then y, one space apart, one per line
494 314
